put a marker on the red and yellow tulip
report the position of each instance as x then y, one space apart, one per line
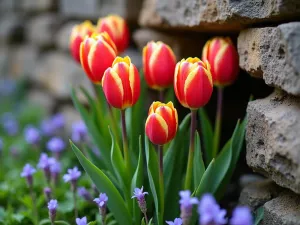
121 83
162 123
159 65
224 60
193 83
77 36
97 53
117 29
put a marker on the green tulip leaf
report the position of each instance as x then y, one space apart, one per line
198 165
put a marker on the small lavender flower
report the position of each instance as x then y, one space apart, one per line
55 145
101 202
186 205
72 175
58 121
27 172
177 221
55 169
45 163
10 124
79 132
52 206
47 193
140 196
210 212
84 193
47 127
32 135
82 221
241 216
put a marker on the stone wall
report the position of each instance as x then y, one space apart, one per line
268 42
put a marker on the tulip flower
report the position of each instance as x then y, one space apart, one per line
97 53
121 83
159 65
162 123
117 29
193 83
77 36
224 60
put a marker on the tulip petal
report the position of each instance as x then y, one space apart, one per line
168 114
85 47
157 129
134 80
113 88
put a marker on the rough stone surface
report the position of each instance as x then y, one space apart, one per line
272 136
62 37
258 193
41 98
11 28
41 29
247 179
7 5
182 46
80 9
274 54
216 14
57 72
283 210
22 60
37 6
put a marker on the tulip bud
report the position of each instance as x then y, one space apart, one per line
224 60
159 65
193 83
121 83
97 53
77 36
117 29
162 123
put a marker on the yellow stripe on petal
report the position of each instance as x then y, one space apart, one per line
220 56
162 123
118 82
192 60
190 79
205 50
119 59
131 79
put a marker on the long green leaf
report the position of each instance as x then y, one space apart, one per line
152 169
207 135
198 168
137 181
115 203
259 215
206 180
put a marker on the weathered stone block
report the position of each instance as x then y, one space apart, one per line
80 9
216 14
22 60
272 137
182 46
283 210
62 37
8 5
41 29
274 54
256 194
11 28
57 72
37 6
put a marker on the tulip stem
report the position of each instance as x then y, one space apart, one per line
161 176
189 169
218 123
125 141
161 95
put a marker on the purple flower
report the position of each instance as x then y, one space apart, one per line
56 145
210 212
45 161
32 135
82 221
177 221
186 205
241 216
55 167
47 192
58 121
10 124
47 127
52 206
102 200
82 192
139 194
72 175
28 170
79 132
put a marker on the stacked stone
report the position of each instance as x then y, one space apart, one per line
34 44
269 48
